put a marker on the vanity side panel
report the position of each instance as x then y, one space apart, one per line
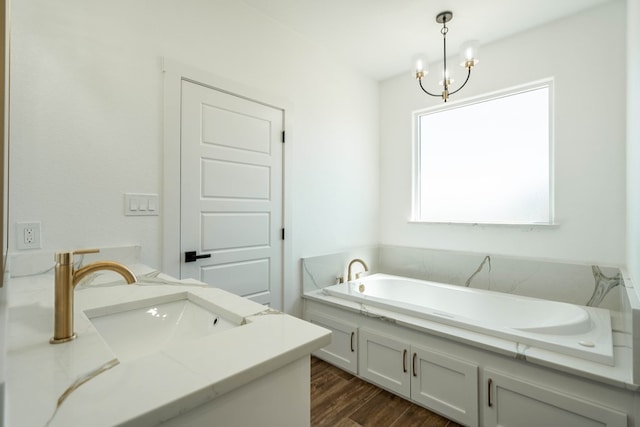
280 398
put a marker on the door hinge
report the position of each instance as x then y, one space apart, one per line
283 137
283 234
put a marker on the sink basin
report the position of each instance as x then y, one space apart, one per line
149 327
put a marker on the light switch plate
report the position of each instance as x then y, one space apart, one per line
136 204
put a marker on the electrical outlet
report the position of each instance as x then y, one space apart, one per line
28 235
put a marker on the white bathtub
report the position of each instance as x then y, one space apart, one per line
583 332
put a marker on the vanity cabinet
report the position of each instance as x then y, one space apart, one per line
513 401
343 350
439 381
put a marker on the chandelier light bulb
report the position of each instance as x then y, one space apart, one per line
469 53
420 65
444 74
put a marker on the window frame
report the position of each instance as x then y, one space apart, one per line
416 151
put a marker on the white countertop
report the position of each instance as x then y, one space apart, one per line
148 390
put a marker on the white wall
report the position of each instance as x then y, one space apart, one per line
86 119
633 139
585 55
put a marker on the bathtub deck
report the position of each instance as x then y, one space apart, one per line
566 329
341 399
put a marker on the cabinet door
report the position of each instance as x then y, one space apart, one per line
384 360
342 352
445 384
517 402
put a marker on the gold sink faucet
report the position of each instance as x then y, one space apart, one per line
353 261
66 280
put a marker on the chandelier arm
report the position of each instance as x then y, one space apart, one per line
465 82
425 91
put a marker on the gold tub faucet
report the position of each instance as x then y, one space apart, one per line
353 261
66 279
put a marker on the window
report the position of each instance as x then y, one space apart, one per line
486 160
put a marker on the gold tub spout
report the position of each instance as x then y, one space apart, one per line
353 261
66 279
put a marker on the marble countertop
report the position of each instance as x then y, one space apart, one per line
82 382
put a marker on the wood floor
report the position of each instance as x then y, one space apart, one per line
339 399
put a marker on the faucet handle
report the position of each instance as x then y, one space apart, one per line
85 251
64 258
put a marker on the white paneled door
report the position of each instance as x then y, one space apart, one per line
231 193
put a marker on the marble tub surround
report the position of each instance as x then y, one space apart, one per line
325 270
557 281
152 388
603 286
563 282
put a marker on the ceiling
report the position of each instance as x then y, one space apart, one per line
381 36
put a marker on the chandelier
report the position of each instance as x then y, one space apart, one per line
468 53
